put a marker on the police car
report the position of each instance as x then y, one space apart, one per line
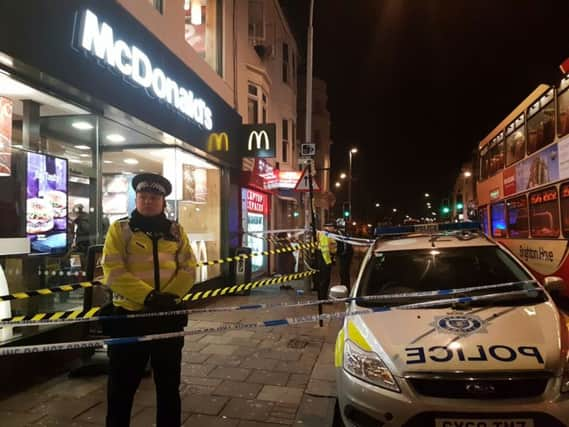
448 329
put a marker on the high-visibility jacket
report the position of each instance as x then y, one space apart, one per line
134 264
327 247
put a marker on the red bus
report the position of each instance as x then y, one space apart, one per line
523 183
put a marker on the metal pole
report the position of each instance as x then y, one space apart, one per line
350 189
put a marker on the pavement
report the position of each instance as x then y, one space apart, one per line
269 377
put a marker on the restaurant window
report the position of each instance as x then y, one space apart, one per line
563 108
195 201
564 190
541 124
515 141
518 221
285 64
498 216
483 214
544 213
203 30
285 141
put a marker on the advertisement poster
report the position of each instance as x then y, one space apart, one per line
563 148
538 169
46 205
194 184
509 176
6 107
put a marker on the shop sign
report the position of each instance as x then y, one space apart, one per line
288 179
218 142
263 175
98 39
256 202
259 140
495 194
6 108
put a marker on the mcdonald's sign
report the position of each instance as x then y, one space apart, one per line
259 140
218 142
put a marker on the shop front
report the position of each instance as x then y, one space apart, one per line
88 99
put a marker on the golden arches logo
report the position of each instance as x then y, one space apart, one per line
218 142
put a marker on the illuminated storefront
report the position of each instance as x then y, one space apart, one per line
73 134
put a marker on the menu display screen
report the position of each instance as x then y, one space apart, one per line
46 203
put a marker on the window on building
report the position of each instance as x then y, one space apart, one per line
286 141
293 135
564 190
257 104
518 224
285 63
256 22
544 213
158 5
204 30
498 215
293 69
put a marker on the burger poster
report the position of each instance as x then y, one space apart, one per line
46 206
6 107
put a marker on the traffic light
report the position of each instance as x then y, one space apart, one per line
445 210
296 214
459 204
346 209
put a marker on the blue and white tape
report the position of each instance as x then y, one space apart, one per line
371 298
39 348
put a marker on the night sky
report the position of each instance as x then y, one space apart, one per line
416 84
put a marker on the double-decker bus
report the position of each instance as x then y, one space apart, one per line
523 183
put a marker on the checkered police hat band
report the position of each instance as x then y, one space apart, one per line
150 186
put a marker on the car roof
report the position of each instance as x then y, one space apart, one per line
430 241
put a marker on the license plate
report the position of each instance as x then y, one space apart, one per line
473 422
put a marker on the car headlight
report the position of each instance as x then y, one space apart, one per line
368 366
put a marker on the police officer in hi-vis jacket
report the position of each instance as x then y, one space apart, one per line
149 265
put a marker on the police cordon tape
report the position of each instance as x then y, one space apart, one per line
349 240
276 240
78 316
74 286
76 345
73 315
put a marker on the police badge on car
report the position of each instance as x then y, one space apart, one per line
459 324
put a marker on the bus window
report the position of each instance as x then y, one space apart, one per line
564 190
518 224
483 214
541 130
563 113
496 159
544 213
484 155
498 214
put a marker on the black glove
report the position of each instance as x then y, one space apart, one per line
161 301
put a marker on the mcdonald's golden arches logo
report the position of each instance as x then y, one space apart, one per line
218 142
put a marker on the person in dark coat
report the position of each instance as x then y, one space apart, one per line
344 253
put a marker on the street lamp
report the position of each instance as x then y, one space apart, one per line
377 205
343 175
394 209
427 195
467 174
337 184
351 153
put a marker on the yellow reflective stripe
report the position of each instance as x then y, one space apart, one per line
356 337
91 312
58 315
38 316
339 350
20 295
75 314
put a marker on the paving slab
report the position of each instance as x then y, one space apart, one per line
248 409
281 394
206 405
235 374
196 369
223 349
269 377
18 419
199 420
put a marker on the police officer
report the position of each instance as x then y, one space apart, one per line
149 265
345 254
326 251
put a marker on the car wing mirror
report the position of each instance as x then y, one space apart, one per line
338 292
554 284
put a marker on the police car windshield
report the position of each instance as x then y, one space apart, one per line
407 271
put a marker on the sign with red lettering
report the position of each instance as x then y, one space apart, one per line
256 202
549 195
509 177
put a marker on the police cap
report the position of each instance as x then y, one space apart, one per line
152 183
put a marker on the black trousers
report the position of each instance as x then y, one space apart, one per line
127 364
324 276
345 262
